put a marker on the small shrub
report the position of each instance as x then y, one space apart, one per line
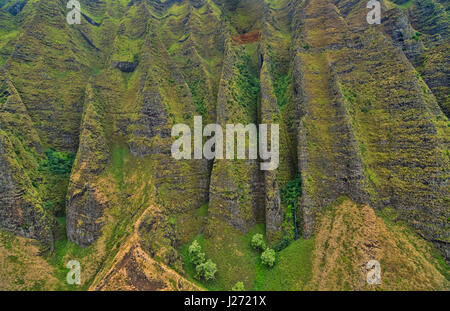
199 259
172 221
282 244
194 248
206 270
238 287
268 257
258 242
57 162
195 253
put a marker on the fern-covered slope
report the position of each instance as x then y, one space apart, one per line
86 113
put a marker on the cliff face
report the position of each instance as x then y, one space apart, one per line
407 116
327 150
22 209
86 113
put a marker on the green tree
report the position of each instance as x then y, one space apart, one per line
268 257
195 253
238 287
57 162
206 270
258 242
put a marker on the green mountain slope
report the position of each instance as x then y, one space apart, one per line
86 171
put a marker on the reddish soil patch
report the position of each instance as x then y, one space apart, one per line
246 38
